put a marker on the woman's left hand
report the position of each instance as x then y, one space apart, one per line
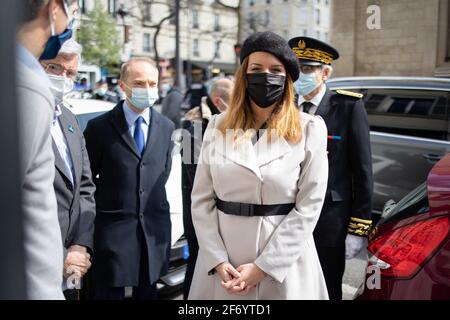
251 275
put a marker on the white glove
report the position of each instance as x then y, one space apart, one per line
353 245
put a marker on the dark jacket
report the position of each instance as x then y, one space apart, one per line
76 204
348 202
171 106
132 207
195 124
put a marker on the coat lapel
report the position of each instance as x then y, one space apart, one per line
153 128
325 104
59 162
268 152
241 153
73 144
253 157
119 122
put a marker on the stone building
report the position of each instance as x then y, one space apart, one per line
288 18
413 38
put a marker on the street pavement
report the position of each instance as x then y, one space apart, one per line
354 275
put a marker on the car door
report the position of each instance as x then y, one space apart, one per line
409 134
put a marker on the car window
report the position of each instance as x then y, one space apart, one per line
417 113
83 119
416 202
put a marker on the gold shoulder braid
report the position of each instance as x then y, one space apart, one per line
350 94
359 227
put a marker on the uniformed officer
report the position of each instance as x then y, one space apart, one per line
346 214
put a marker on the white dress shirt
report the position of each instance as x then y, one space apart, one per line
315 101
131 117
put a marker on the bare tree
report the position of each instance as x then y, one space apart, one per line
252 23
140 10
237 10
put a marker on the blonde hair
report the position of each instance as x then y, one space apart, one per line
285 119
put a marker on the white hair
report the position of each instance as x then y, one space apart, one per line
71 47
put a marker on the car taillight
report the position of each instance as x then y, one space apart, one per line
401 252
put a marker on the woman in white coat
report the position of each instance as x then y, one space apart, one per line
258 194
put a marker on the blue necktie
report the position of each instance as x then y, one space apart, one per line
139 135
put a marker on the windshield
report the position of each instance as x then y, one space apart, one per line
83 119
416 202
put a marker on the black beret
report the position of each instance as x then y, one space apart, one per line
272 43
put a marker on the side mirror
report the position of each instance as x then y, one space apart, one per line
388 206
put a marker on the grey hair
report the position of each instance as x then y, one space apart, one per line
71 47
222 88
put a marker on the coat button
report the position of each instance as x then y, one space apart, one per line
141 191
142 165
141 216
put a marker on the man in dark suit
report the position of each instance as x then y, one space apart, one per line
346 214
73 183
130 153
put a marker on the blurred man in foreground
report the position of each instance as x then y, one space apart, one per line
46 27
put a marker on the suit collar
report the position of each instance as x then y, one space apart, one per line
72 141
131 116
59 162
325 104
153 132
119 122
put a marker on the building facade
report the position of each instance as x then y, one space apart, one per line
288 18
413 38
208 31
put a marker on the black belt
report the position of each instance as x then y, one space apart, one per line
251 210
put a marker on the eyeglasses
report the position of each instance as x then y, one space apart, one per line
59 70
306 69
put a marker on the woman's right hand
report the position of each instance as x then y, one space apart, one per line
227 272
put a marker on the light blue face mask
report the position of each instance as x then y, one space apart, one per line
306 83
143 98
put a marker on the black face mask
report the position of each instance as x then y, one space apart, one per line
265 89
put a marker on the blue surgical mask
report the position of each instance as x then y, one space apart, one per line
306 83
143 98
56 41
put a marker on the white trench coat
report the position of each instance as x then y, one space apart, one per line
282 246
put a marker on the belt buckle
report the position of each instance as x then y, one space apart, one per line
247 209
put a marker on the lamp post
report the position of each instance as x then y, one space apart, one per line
178 67
122 13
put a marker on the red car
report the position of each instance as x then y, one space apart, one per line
409 249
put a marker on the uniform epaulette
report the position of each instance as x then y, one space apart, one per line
350 94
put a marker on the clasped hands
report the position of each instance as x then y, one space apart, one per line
77 261
240 280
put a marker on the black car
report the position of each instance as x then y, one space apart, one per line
410 131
